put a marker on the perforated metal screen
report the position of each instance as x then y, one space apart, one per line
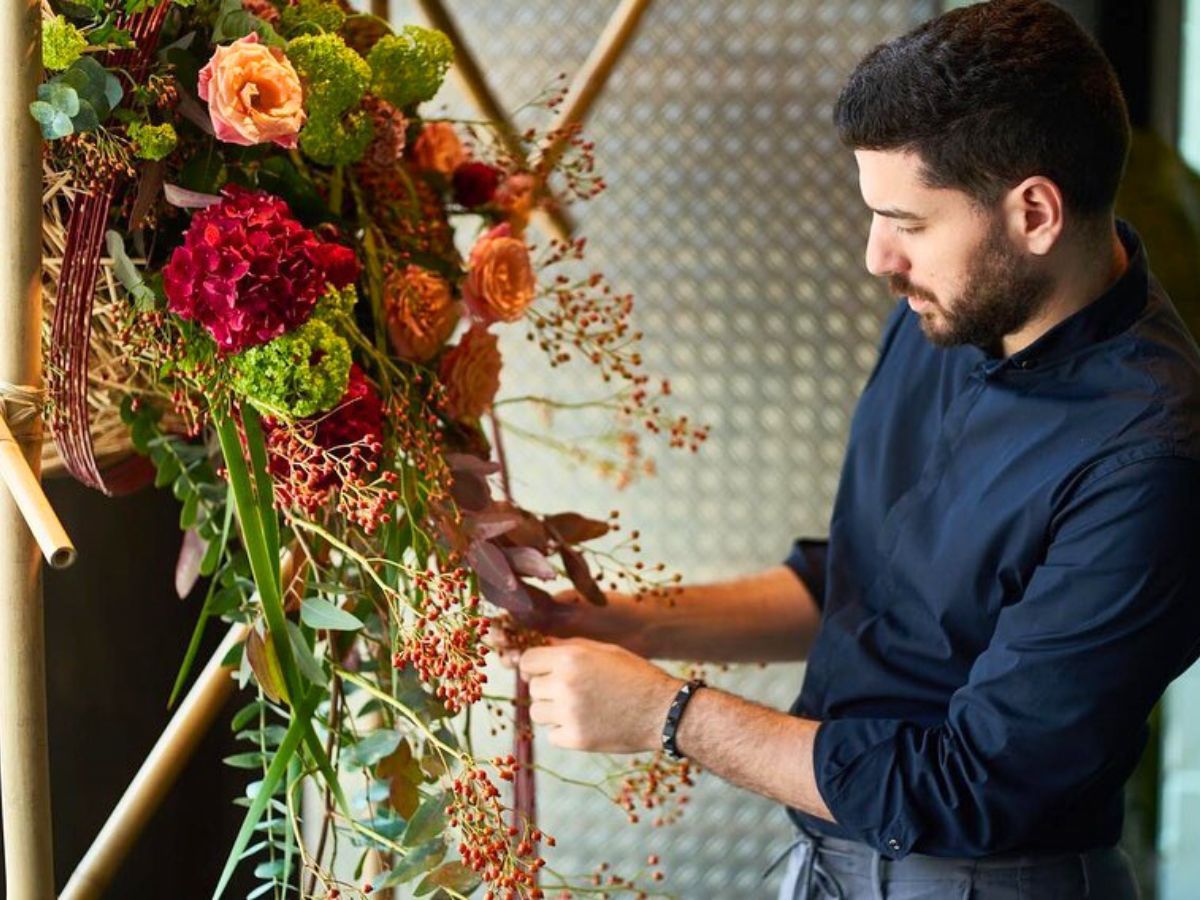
734 217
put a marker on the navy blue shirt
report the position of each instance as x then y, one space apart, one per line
1011 579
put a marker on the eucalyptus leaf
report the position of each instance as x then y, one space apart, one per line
61 96
317 612
428 821
53 122
373 747
453 875
417 862
86 119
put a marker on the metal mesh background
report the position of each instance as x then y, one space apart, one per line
734 216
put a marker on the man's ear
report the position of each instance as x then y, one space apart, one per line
1034 213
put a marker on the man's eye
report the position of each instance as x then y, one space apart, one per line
903 230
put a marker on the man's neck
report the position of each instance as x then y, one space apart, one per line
1086 279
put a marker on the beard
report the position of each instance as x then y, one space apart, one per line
1003 292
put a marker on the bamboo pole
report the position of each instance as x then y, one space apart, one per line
156 776
24 757
474 84
593 76
27 492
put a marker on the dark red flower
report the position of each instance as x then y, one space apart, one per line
248 271
475 183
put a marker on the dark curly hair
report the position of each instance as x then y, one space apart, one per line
991 94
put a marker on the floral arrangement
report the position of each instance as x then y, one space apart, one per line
311 366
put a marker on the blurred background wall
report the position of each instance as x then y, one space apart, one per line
734 217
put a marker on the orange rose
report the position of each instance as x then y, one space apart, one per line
438 149
514 198
501 284
420 312
470 372
253 94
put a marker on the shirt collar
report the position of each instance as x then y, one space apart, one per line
1109 314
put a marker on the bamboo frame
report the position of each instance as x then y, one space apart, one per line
158 773
592 77
475 85
27 492
24 754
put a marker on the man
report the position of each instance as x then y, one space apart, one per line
1010 580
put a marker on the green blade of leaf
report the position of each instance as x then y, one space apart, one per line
275 773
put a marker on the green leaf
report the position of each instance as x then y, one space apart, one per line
278 768
271 735
112 90
168 469
252 760
270 869
316 612
87 76
86 119
374 747
53 122
243 716
59 95
428 821
187 513
417 862
453 875
310 668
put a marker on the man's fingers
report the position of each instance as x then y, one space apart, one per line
540 688
537 661
541 712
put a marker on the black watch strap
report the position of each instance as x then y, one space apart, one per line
675 713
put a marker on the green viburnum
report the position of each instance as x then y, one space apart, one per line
298 374
153 142
336 304
409 67
62 43
334 78
322 14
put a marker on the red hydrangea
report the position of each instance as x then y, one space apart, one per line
248 271
321 453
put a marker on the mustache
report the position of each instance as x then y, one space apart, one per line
902 287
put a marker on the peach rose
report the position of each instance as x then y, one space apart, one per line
514 198
253 94
500 284
470 372
438 149
420 312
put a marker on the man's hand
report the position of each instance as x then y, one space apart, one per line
596 696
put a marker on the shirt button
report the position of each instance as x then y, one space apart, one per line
894 844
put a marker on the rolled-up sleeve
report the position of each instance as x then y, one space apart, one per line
807 560
1055 707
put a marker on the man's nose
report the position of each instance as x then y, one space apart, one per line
883 256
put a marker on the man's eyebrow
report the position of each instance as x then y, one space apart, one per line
891 213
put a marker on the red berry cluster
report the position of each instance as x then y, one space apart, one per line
504 858
655 783
591 321
445 646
